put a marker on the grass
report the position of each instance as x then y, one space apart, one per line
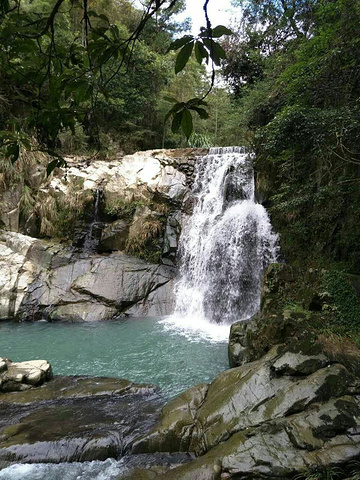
350 472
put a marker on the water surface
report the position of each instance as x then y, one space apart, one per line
141 350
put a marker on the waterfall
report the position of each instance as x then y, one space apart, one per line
226 243
94 228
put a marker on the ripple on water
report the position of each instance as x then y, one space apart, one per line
170 353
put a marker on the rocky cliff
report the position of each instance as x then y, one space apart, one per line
95 240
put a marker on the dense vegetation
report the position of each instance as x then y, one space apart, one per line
85 76
296 82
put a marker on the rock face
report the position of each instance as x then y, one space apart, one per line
119 222
74 419
45 280
276 417
17 377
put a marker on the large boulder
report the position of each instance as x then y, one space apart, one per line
291 410
74 419
20 376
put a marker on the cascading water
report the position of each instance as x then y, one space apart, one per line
93 231
226 244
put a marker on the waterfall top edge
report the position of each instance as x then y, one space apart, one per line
223 150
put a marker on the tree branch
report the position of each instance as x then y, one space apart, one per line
49 22
290 15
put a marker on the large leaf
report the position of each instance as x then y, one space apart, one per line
13 152
176 108
183 56
180 42
176 123
201 111
196 101
220 30
216 50
201 52
56 163
187 123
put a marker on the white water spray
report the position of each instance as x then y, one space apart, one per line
224 247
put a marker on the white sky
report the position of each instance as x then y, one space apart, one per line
220 13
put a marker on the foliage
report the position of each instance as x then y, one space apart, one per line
298 105
145 240
123 208
346 301
65 66
349 472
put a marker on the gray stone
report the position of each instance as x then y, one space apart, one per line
42 279
114 236
74 419
81 312
158 303
99 288
274 418
3 365
173 434
20 376
239 347
292 363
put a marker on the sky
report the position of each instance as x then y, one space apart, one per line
220 13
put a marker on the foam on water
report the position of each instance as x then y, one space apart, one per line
96 470
196 329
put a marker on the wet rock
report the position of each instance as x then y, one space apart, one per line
158 303
143 466
173 434
45 280
114 236
3 365
74 419
273 417
298 364
239 347
171 238
86 311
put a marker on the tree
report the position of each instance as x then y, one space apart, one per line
60 62
302 115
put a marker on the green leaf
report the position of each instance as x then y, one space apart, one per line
180 42
196 101
216 51
176 123
183 56
220 30
4 6
201 111
198 55
187 123
176 108
56 163
51 166
105 18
